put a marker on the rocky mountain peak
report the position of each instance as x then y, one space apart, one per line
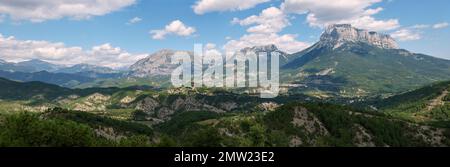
339 34
262 48
284 57
158 63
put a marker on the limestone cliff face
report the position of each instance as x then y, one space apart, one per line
339 34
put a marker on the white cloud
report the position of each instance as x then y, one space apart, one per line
205 6
264 29
210 49
115 57
42 10
440 25
406 35
210 46
325 12
286 42
106 55
271 20
174 28
370 23
426 26
420 26
415 32
134 20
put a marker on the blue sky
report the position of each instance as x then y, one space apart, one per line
99 33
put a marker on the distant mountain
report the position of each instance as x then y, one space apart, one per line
96 75
346 62
284 57
80 68
38 70
354 62
61 79
157 64
36 65
39 65
8 66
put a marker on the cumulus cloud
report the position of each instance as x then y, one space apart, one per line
325 12
134 20
406 35
370 23
16 50
42 10
440 25
205 6
211 49
286 42
210 46
174 28
264 29
271 20
415 32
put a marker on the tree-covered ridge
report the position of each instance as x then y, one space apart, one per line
33 130
430 103
292 125
146 116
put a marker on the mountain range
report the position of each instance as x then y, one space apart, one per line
351 88
36 65
38 70
345 62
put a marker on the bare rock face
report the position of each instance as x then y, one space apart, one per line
157 64
160 63
269 49
263 48
339 34
269 106
303 118
94 102
148 105
311 125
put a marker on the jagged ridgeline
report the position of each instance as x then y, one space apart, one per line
352 62
346 62
86 105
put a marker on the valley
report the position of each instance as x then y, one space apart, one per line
351 88
137 116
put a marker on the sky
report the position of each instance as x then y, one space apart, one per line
117 33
